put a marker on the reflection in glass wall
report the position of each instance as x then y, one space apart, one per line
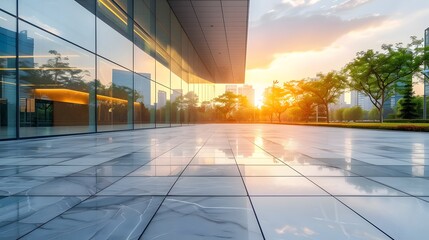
144 102
114 33
177 105
8 6
163 106
7 76
59 17
162 70
148 73
114 97
56 85
144 54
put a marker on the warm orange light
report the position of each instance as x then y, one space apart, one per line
63 95
72 96
114 10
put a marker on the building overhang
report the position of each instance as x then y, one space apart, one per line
218 31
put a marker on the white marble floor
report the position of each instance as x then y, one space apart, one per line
217 182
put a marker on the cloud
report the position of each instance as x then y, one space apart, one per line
296 3
350 4
300 34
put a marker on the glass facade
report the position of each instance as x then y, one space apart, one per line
119 65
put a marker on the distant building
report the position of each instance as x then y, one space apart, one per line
162 99
248 91
176 93
231 88
245 90
362 100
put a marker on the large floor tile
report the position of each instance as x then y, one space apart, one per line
195 218
20 215
311 218
413 186
136 186
354 186
267 171
101 218
281 186
209 186
399 217
212 170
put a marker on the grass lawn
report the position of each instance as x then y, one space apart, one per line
416 127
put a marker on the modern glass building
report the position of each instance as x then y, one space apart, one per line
85 66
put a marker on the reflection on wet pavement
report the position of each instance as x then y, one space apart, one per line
216 182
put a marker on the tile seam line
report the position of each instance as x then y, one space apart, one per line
365 219
177 179
247 192
90 196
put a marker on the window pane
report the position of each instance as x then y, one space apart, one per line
163 106
7 76
144 62
56 85
144 102
144 17
8 6
60 17
176 81
114 97
126 5
114 34
162 71
176 108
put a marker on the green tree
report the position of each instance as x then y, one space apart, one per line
302 101
376 73
244 111
275 100
326 89
407 105
226 103
373 114
190 105
356 113
339 114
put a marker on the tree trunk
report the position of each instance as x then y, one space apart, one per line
380 112
279 117
327 113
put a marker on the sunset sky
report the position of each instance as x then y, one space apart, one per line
295 39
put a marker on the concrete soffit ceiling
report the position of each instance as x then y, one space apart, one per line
218 32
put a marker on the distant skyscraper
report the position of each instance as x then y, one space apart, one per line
176 93
362 100
231 88
162 99
248 91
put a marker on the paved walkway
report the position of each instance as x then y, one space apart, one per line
217 182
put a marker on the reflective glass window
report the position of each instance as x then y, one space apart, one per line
56 85
144 102
162 70
114 34
8 6
177 107
144 17
59 18
114 97
176 40
163 24
176 81
163 106
7 76
144 50
126 5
